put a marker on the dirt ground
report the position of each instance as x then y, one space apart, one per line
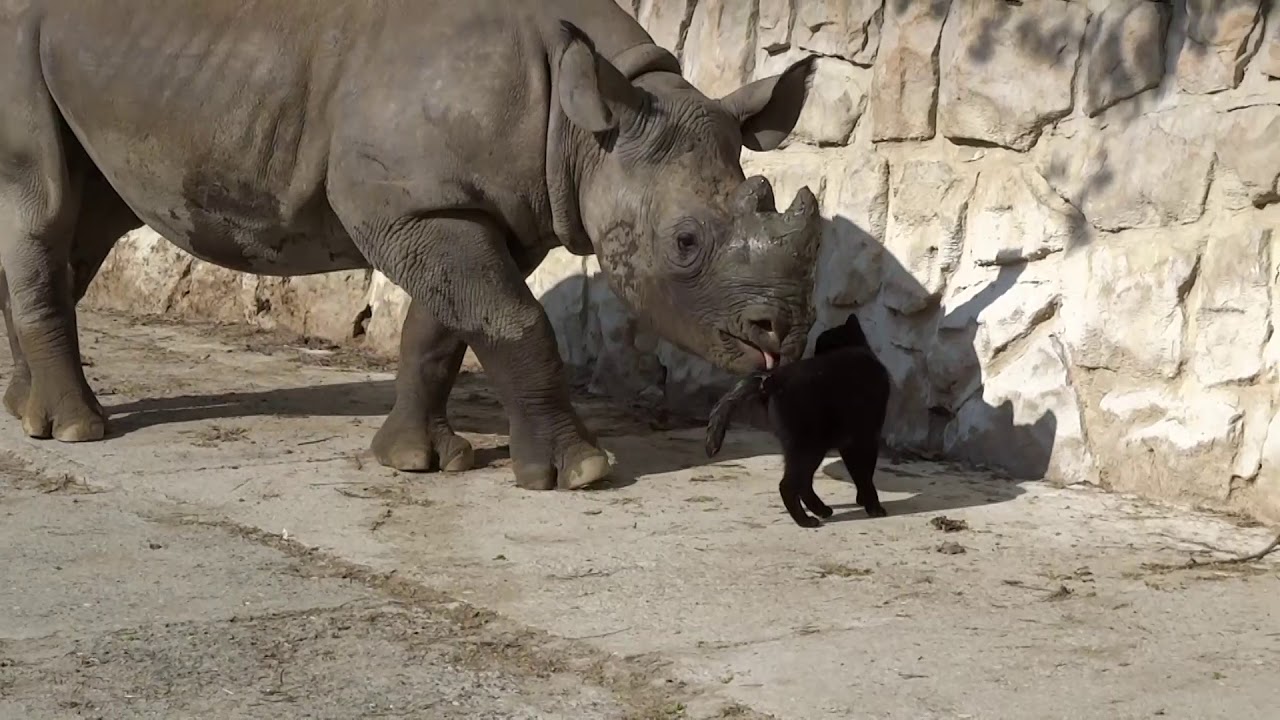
233 551
117 609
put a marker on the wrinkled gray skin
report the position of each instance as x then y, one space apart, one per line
448 144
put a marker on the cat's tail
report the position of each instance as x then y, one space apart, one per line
750 387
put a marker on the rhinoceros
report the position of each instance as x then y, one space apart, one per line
449 145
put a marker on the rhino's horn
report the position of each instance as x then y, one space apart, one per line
801 220
754 195
804 207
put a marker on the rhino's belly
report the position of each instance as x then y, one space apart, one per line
234 223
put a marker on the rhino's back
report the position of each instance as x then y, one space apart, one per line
217 120
207 118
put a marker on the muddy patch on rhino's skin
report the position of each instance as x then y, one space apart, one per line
238 226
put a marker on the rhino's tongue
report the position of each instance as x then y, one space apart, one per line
769 360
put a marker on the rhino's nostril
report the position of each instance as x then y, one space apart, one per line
764 325
768 327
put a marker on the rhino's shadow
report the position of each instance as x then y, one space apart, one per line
930 399
1019 450
475 408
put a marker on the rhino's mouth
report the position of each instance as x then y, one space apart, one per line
765 359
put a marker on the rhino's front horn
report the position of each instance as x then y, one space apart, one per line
802 216
754 195
804 207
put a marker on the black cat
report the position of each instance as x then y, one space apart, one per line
833 400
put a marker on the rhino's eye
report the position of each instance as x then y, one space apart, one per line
686 246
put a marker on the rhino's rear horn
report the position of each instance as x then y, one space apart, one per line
755 195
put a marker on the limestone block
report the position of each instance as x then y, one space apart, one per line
775 50
774 32
1232 320
788 171
720 48
688 382
1267 485
769 64
1138 176
329 306
999 306
1176 445
984 311
1257 405
561 285
1271 350
1026 420
953 369
142 275
1126 312
145 274
1269 54
927 206
666 20
836 100
1015 216
1124 52
898 341
625 364
848 29
1008 70
1013 315
904 84
1247 147
388 306
216 294
849 263
1216 49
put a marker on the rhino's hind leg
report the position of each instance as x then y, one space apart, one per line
39 202
103 218
416 436
15 396
458 265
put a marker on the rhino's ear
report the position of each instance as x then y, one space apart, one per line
591 90
768 109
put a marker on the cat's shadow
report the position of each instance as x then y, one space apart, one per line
927 487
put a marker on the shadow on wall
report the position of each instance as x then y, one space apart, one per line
1110 64
938 409
1076 95
594 327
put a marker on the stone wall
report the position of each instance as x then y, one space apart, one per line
1054 217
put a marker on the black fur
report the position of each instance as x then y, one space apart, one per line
834 400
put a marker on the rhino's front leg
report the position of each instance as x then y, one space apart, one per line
459 268
417 431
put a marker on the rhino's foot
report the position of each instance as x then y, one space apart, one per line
15 397
580 466
66 417
414 447
585 465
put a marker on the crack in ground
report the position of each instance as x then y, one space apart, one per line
642 682
343 457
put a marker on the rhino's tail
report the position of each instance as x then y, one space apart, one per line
749 387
